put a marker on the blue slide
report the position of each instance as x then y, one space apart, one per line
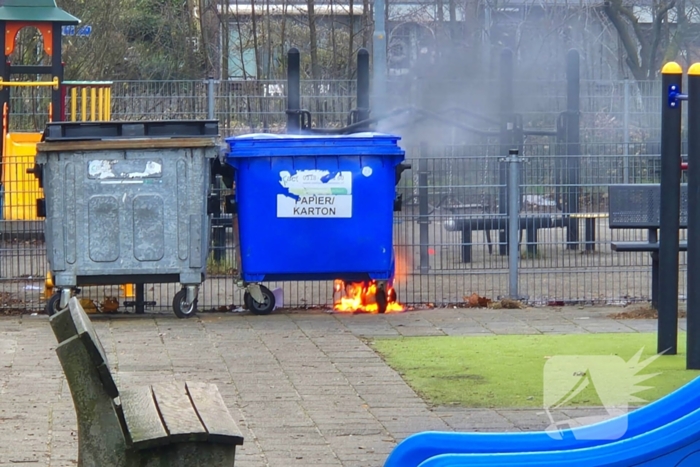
674 418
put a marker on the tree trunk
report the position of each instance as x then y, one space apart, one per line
351 42
254 24
642 53
453 20
334 48
225 40
268 72
368 24
283 32
313 41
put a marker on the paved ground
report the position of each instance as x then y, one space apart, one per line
305 387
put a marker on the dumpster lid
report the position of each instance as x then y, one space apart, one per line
103 130
356 144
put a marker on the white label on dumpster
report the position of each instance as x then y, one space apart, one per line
315 193
124 169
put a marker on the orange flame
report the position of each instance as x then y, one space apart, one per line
361 297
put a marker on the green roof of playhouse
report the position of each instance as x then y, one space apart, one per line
44 11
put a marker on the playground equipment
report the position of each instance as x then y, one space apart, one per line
419 448
670 202
21 191
666 210
22 197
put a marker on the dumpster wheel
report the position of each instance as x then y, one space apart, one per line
264 308
180 306
53 304
381 298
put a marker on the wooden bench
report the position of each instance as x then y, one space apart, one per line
638 206
173 424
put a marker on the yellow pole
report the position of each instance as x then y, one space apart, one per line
93 98
108 103
73 104
101 103
83 105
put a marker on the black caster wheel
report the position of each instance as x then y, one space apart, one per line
53 306
264 308
180 307
391 297
381 299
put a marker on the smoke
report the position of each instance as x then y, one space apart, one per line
439 67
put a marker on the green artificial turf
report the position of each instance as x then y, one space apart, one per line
508 371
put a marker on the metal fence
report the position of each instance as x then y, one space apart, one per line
454 180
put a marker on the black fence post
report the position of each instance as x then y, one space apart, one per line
672 76
693 294
508 125
362 86
293 92
573 147
423 215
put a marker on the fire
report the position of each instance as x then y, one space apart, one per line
362 297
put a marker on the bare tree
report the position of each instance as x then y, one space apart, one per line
313 40
644 46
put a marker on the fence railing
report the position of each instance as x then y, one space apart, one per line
439 261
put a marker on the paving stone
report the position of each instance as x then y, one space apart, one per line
305 387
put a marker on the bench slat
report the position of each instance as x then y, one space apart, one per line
213 412
643 246
178 415
142 419
87 334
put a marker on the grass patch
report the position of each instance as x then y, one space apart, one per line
508 371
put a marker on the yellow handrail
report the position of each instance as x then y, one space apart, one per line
27 84
89 100
93 98
73 104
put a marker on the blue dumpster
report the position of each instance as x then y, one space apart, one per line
315 207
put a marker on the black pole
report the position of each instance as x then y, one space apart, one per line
56 72
5 74
293 91
573 148
362 85
423 219
140 302
693 294
507 140
672 75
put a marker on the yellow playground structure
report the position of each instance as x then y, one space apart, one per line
21 194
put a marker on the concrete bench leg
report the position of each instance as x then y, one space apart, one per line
531 231
503 242
653 237
655 280
189 455
466 244
590 233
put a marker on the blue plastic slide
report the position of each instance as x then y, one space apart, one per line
502 448
674 445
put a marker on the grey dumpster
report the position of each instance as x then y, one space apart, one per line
129 209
